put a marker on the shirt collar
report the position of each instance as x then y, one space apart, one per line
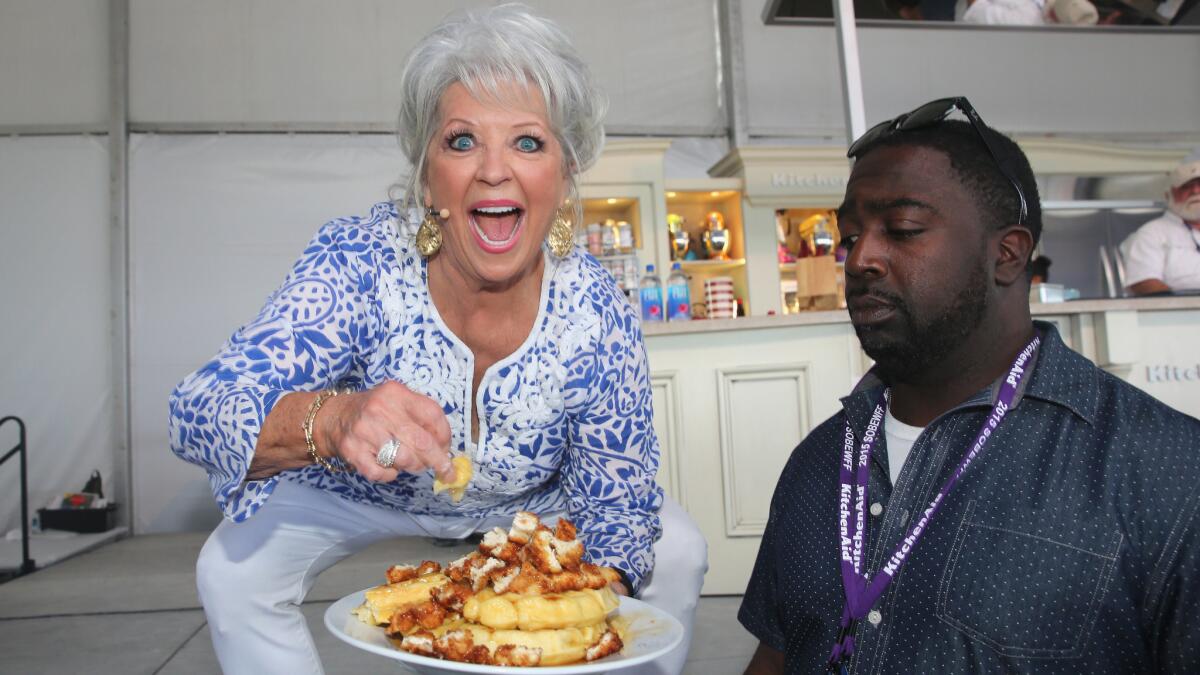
1060 376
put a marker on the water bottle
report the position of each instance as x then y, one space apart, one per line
651 295
679 305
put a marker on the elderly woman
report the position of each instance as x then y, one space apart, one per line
397 343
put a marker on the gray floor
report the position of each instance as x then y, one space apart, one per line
131 607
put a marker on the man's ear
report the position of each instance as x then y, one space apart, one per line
1014 246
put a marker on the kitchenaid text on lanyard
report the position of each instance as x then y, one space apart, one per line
862 593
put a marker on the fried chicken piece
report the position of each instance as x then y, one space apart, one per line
567 581
482 574
516 655
565 530
428 567
492 540
502 579
597 576
400 573
587 576
539 552
509 553
453 596
401 623
523 526
529 582
497 545
454 645
419 643
427 615
460 570
479 654
569 553
609 643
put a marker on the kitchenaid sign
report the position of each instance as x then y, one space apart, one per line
1166 373
808 180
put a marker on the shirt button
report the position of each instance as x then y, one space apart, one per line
874 617
876 509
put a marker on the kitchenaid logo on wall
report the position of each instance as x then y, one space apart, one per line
808 180
1168 373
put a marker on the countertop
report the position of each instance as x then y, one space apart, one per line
1155 304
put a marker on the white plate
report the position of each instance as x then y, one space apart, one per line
651 633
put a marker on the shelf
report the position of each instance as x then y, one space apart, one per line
610 210
711 265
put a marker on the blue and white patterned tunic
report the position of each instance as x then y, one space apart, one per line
565 422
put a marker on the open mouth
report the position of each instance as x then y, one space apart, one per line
497 227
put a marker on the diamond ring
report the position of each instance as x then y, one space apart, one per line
386 457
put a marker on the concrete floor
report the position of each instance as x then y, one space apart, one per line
131 607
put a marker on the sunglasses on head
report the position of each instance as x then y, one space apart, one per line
928 115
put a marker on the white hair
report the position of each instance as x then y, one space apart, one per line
486 50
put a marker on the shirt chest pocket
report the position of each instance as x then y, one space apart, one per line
1181 269
1025 584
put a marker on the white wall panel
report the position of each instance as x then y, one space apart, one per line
1166 365
278 61
1034 81
1027 81
657 61
750 434
53 62
216 222
55 300
793 84
668 427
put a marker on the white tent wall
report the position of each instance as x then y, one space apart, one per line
55 270
1032 81
55 300
216 222
271 61
54 63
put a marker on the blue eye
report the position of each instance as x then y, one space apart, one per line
462 142
528 144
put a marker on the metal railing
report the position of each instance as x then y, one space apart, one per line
27 564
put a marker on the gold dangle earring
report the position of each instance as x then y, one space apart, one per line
429 234
562 237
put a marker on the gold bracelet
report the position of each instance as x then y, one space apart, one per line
307 427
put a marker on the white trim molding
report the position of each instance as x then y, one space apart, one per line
741 438
670 441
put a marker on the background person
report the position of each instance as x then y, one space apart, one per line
1039 270
1164 254
1063 538
391 346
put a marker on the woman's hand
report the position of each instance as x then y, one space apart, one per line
354 427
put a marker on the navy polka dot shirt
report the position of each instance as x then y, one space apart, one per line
1072 545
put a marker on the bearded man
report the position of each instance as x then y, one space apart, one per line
1164 254
987 500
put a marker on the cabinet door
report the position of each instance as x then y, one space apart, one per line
729 408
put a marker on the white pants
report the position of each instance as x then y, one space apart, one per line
252 576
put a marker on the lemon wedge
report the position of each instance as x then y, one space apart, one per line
462 476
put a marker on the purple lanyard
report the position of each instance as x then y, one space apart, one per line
852 526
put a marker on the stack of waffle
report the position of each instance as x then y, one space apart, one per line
525 598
